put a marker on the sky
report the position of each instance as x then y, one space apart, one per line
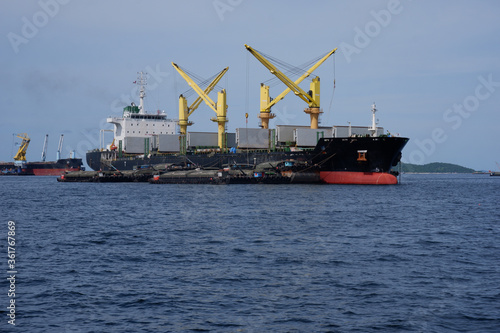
431 67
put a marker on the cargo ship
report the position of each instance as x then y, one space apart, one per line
20 167
337 154
52 168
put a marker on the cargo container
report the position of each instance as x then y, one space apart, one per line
202 139
134 145
285 133
308 137
256 138
168 143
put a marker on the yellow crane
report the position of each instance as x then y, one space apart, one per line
185 111
21 153
220 107
312 99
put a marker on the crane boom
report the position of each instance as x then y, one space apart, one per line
220 107
300 79
283 78
59 147
21 153
207 90
196 88
44 150
312 99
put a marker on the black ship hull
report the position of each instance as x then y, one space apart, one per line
363 160
356 160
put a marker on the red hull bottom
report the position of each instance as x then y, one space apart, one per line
358 178
52 172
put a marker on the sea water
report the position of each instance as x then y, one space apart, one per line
421 256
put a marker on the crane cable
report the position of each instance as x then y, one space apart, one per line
247 83
292 71
202 83
289 69
333 93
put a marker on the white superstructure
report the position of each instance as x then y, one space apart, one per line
141 125
137 124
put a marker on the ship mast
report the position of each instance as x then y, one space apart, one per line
373 129
142 82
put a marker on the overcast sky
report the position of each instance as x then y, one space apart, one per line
431 67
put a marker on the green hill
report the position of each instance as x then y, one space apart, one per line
435 168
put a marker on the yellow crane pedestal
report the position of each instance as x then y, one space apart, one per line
314 113
265 111
183 115
221 120
264 118
313 110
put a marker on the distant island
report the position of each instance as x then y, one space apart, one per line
434 168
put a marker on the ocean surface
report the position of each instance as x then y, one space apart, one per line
421 256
